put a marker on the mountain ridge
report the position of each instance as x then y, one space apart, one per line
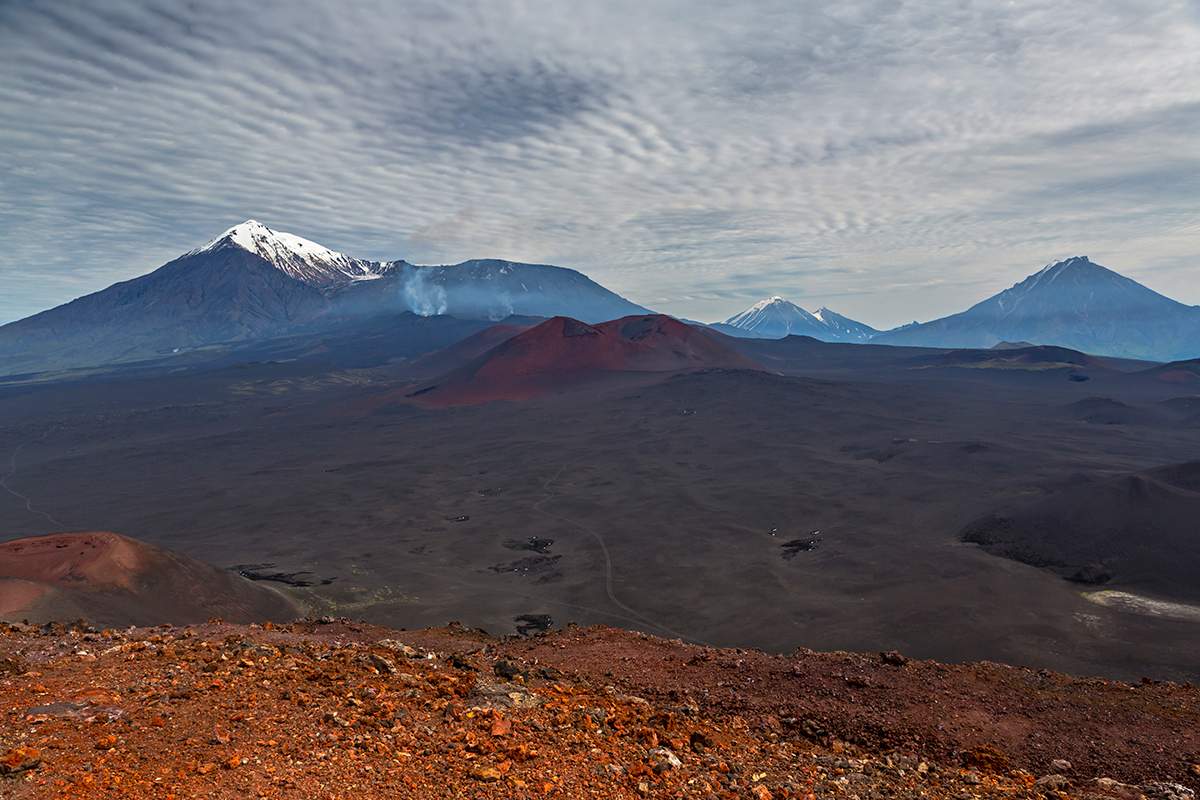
1072 303
775 317
252 282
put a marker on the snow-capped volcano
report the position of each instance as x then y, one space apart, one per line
253 283
775 317
1073 303
296 257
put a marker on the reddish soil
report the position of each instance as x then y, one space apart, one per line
1149 731
469 349
348 710
114 579
18 595
563 353
98 559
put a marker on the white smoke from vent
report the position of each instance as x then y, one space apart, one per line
503 308
424 297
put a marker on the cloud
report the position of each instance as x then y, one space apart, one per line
895 159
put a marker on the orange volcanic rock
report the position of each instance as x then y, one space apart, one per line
563 353
337 709
112 579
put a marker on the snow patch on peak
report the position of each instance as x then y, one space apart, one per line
252 235
769 302
299 258
776 317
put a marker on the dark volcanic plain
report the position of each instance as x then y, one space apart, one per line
820 502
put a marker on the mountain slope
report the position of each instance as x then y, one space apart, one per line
775 317
252 283
487 289
1074 303
223 294
844 328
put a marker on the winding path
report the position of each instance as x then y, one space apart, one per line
12 471
608 563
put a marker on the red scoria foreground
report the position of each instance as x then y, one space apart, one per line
336 709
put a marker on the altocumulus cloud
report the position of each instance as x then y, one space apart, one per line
893 159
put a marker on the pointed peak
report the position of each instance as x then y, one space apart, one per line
1077 269
773 300
1072 264
299 258
1066 263
251 235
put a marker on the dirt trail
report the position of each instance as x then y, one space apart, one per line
4 484
608 562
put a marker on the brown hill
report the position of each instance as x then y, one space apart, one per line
472 347
114 580
562 353
1185 372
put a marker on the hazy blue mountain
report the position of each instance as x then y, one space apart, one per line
775 317
842 328
1073 303
730 330
253 283
486 289
227 294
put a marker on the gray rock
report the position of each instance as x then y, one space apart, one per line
1053 782
1111 788
663 760
1168 791
382 664
399 647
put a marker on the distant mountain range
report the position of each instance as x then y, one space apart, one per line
775 318
253 284
1073 303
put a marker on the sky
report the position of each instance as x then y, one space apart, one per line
891 160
